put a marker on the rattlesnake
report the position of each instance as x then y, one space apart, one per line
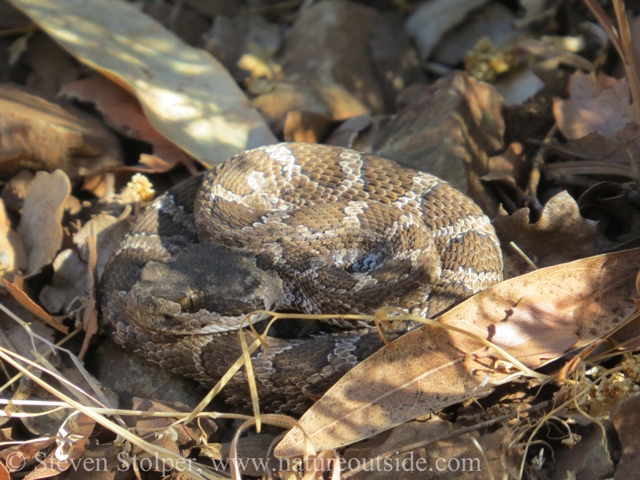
299 228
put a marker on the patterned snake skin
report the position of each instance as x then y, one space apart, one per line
297 228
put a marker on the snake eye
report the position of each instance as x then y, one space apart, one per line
190 301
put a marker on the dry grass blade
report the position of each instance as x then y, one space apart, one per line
621 40
281 421
628 55
192 471
612 33
253 388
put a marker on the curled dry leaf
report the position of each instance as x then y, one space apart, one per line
185 93
560 235
596 104
40 226
536 318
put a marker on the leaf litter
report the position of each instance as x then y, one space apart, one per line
346 74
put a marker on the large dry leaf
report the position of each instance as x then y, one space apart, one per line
40 225
596 104
186 94
536 318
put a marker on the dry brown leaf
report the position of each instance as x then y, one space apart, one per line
16 457
336 36
39 135
13 257
40 226
395 59
65 292
51 66
155 163
626 420
509 166
559 236
16 338
123 112
185 93
598 155
536 318
233 36
619 148
349 130
15 289
70 282
596 104
307 127
340 82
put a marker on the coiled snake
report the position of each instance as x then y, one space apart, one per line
299 228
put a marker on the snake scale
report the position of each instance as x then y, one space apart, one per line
294 228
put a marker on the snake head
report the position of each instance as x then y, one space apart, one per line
204 288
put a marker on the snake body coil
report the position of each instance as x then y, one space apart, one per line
292 227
